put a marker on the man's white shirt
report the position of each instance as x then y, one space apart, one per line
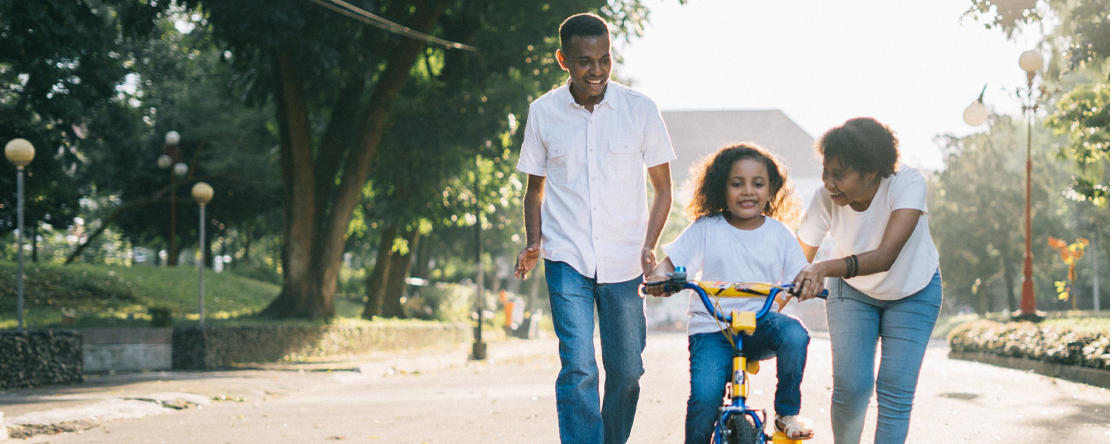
595 212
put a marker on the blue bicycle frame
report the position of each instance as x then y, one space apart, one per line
737 322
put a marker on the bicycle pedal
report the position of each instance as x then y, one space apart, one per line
780 438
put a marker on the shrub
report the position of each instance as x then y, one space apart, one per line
1048 343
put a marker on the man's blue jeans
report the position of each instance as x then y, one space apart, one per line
777 335
621 318
903 328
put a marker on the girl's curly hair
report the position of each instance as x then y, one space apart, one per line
714 172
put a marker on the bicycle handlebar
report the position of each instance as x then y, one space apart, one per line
678 281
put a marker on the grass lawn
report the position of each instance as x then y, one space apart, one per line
117 296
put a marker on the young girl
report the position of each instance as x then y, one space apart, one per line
740 194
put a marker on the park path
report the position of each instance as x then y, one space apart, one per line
443 398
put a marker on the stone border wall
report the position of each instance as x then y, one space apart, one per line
1091 376
39 357
221 347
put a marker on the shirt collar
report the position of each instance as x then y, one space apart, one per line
608 98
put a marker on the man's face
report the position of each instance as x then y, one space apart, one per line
587 60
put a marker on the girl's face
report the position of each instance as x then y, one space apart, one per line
847 186
747 193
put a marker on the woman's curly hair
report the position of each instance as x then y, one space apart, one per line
863 144
714 172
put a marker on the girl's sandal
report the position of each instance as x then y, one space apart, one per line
794 427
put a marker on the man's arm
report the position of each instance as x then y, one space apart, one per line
660 177
534 195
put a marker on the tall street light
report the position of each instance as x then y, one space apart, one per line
479 348
171 159
19 152
202 193
1032 62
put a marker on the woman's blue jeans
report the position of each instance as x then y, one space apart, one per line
621 319
903 328
777 335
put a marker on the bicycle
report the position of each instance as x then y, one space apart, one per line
737 423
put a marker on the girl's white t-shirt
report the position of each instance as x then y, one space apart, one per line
859 232
714 250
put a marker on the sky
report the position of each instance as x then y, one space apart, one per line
915 66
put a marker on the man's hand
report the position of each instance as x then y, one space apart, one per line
656 290
526 260
648 260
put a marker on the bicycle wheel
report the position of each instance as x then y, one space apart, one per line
741 430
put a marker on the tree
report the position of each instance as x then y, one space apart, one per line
976 216
975 201
1077 77
336 82
60 63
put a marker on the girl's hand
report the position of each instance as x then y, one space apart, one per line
656 290
810 281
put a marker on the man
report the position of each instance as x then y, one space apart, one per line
586 147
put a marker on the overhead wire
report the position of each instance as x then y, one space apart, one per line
354 12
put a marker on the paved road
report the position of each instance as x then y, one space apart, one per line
442 398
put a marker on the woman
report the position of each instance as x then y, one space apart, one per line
885 285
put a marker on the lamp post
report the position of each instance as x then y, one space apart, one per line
479 348
19 152
1032 62
202 193
171 157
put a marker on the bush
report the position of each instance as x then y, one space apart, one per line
442 301
1049 343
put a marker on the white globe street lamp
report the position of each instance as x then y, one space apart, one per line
170 160
19 152
202 193
976 114
1032 62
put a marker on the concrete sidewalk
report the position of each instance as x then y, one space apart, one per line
133 395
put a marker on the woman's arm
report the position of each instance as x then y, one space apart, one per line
808 251
900 226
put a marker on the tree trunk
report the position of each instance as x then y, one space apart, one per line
1009 287
376 280
34 232
301 290
316 232
395 282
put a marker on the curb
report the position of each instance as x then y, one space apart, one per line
1091 376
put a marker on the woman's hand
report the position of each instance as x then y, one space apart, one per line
810 281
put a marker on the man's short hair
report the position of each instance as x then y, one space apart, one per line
584 24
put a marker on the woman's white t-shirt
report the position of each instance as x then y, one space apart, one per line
714 250
858 232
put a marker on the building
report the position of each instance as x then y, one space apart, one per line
697 134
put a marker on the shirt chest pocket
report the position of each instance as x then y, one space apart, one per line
559 162
624 160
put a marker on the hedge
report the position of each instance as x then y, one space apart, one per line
1028 340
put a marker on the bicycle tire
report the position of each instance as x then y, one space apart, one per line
741 430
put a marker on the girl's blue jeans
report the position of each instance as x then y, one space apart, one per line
903 327
777 335
621 320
